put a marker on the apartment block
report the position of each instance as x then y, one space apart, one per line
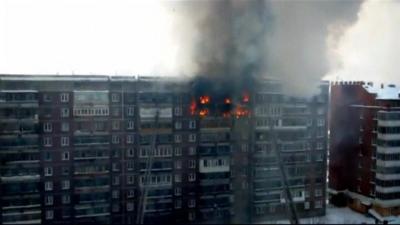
123 149
364 147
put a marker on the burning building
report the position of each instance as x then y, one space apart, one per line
99 149
363 155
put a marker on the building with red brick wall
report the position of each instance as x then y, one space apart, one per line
364 148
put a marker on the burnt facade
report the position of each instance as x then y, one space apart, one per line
364 147
86 149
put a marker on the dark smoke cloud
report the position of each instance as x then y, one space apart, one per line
232 41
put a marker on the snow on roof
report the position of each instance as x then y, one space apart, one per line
18 91
384 92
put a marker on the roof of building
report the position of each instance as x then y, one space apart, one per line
383 92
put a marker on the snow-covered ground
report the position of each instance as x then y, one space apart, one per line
334 215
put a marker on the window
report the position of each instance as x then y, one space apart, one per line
192 164
178 177
178 111
115 111
66 213
192 124
306 205
318 204
192 137
245 185
318 192
48 186
115 167
130 139
178 151
244 148
48 200
272 208
64 112
49 214
47 141
115 97
65 156
130 125
64 97
64 126
115 139
192 150
131 111
307 194
192 203
178 125
48 171
178 164
178 191
115 207
65 170
319 145
130 194
178 204
115 180
178 138
47 156
319 157
191 216
65 185
130 165
192 177
115 125
320 122
129 206
46 98
65 199
130 179
47 127
259 210
64 141
130 152
115 194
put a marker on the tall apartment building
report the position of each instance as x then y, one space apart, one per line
86 149
365 147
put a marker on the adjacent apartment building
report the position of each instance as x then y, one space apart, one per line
364 150
87 149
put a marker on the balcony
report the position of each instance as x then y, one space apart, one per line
23 178
90 189
388 136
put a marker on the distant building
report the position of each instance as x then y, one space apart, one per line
75 149
364 154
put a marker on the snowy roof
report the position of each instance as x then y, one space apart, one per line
384 92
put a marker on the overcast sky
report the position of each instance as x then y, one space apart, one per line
84 36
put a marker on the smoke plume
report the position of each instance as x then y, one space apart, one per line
368 50
231 41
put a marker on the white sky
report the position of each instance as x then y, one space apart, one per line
85 36
370 49
132 37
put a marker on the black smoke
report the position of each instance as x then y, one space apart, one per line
232 43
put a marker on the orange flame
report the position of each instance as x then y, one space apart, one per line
193 107
240 112
246 97
227 101
203 112
226 114
204 99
